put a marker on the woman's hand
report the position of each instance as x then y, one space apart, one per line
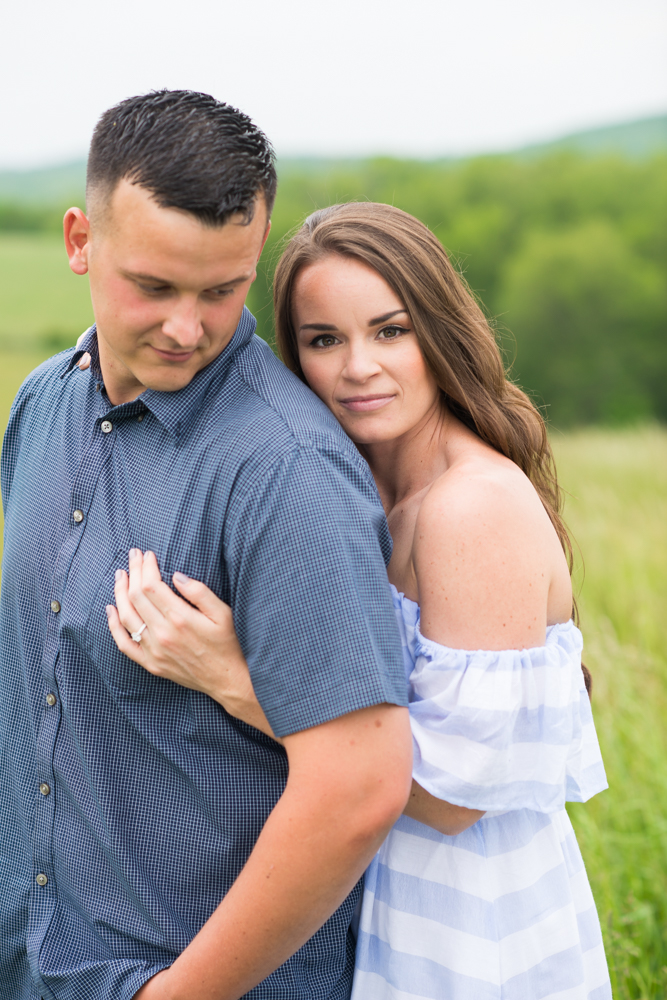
84 360
195 647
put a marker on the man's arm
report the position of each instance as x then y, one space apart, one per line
349 780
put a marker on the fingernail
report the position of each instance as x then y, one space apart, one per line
119 575
134 553
108 610
181 578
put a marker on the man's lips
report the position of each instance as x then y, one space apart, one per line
175 356
362 404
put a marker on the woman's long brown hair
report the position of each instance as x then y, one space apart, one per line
455 337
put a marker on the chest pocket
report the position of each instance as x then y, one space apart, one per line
121 675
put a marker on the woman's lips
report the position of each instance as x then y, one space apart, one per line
362 404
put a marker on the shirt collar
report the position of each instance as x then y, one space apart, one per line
174 410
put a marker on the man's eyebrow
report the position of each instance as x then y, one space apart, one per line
386 316
162 281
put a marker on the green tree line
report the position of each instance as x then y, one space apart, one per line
567 253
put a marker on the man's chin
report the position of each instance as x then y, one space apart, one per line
167 379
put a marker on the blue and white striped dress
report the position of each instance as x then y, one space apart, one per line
504 910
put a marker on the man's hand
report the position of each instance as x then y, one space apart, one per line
349 780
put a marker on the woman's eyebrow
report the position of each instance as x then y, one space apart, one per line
322 327
383 319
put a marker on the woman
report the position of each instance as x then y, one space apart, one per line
480 889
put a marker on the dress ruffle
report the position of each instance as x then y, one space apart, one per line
501 730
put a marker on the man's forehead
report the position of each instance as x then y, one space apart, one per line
111 209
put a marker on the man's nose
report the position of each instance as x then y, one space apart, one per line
183 325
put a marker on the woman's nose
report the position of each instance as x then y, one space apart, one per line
360 364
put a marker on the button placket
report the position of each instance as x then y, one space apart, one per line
84 486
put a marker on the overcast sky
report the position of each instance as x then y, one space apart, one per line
352 77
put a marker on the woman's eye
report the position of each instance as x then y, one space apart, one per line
391 332
324 340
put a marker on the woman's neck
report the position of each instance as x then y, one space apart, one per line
408 464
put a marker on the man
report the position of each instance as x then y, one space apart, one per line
153 846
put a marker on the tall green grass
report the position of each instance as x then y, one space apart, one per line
617 510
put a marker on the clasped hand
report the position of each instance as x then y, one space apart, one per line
191 642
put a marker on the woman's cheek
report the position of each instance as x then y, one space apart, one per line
318 376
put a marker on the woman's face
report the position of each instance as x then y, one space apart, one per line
358 351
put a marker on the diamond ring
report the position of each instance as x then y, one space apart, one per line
137 635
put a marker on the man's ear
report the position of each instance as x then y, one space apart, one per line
76 229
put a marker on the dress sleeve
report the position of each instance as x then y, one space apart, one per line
502 730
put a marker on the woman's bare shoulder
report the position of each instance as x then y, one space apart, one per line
485 554
488 490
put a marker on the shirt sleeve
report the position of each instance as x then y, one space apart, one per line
311 600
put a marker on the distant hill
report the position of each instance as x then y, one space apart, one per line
66 182
46 185
636 140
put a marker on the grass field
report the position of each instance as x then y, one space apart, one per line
41 300
617 510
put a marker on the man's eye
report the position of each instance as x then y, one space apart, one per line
154 289
324 340
391 332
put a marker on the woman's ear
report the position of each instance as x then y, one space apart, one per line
76 230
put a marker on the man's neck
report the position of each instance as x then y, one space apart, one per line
120 385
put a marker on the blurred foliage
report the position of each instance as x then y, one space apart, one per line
568 254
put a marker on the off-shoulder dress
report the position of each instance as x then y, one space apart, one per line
503 911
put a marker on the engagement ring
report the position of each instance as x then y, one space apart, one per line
137 635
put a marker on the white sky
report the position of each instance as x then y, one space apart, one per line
410 77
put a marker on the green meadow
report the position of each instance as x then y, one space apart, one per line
42 303
617 511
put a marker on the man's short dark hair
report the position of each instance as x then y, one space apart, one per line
190 151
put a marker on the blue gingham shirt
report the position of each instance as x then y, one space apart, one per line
128 804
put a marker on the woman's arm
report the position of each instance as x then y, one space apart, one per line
442 816
195 647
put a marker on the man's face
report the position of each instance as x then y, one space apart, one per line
167 291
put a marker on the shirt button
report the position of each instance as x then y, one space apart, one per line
44 788
140 417
106 426
41 879
55 607
78 516
50 699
